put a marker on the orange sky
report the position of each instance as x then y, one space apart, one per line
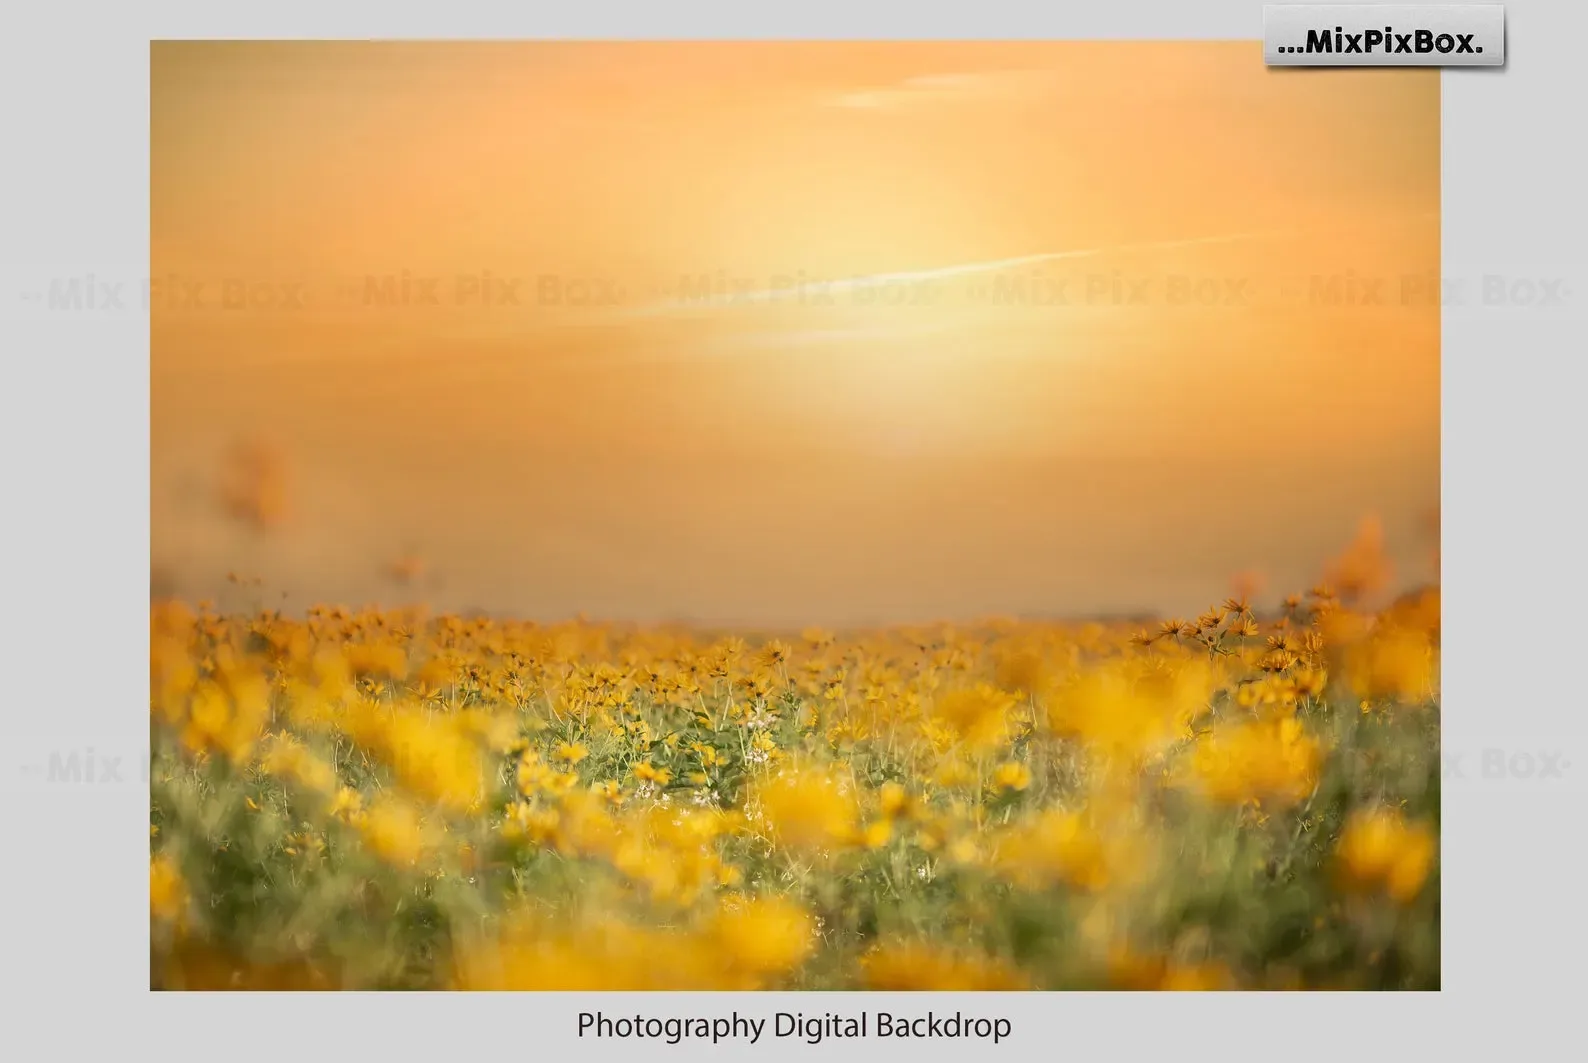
835 463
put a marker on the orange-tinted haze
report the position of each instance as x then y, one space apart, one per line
955 448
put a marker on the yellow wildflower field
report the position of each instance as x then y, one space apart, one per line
390 799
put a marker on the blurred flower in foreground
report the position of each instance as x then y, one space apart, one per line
1129 708
1132 971
1391 662
765 936
533 953
1011 775
434 756
1379 850
394 831
977 717
226 714
911 966
1056 847
168 894
200 967
1267 762
808 810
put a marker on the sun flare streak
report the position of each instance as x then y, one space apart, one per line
830 290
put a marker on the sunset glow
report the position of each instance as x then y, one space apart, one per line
714 419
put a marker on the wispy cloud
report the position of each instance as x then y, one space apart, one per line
853 290
954 87
786 339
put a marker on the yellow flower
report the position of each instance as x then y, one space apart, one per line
817 637
1050 847
346 804
394 831
432 755
893 800
304 843
1379 850
765 936
808 810
1131 707
1272 761
228 713
953 773
605 955
645 771
1397 663
289 759
709 757
915 967
1129 971
534 825
376 660
964 851
172 675
764 748
168 894
1011 776
978 716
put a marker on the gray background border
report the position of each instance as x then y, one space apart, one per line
75 458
